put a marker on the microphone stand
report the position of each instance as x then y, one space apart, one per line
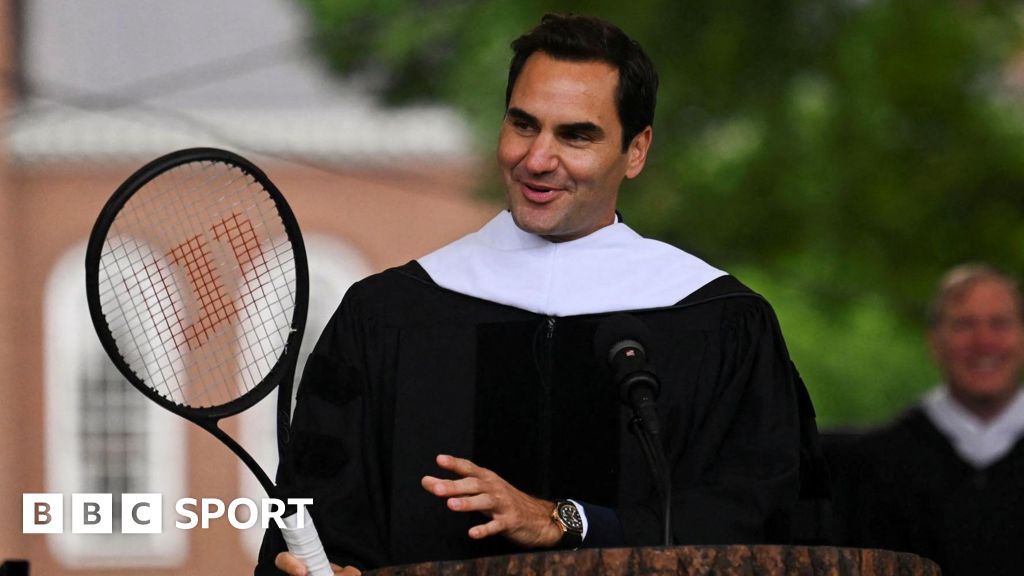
654 454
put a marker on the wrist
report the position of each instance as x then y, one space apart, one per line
547 534
551 535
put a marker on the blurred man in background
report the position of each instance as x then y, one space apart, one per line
946 480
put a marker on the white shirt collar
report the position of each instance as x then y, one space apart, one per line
611 269
976 441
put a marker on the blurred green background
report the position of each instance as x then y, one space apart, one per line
835 155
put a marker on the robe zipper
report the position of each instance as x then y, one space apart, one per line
547 379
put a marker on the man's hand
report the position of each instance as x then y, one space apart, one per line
291 565
519 517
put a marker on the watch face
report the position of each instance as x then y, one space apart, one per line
568 513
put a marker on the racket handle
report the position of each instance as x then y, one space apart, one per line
304 543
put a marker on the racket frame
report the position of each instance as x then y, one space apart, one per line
283 371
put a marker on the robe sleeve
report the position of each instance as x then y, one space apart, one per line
333 452
735 465
604 529
882 510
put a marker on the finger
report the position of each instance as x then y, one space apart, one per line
461 487
485 530
460 466
480 503
428 483
289 564
435 486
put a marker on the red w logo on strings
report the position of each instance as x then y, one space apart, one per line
196 258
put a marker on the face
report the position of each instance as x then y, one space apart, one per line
560 148
979 344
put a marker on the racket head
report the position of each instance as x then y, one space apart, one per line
197 283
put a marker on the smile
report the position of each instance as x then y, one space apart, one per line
538 193
986 364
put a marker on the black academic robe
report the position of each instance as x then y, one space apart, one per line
907 490
407 370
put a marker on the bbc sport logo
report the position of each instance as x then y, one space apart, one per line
43 513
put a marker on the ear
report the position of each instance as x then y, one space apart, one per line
636 153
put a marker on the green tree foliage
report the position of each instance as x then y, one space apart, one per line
840 153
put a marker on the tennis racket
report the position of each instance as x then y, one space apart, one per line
197 285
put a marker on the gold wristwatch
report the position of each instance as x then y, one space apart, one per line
567 517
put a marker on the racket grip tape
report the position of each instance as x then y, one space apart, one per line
304 543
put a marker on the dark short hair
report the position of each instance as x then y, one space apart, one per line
959 279
582 39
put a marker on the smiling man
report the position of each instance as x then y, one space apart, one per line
977 339
945 480
455 407
562 151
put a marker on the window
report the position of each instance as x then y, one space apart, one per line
103 435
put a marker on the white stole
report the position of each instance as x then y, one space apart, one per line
611 269
976 441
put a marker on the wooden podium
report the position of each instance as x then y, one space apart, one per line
685 561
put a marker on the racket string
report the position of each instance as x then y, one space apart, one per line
221 305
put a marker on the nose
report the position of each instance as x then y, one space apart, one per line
541 157
990 335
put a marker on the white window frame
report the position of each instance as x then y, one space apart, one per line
71 344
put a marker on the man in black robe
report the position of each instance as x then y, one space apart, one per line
454 403
946 479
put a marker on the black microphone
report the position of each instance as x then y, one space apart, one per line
619 342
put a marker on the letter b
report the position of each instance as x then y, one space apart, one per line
42 513
92 513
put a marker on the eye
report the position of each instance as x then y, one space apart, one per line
1002 323
961 324
521 125
577 137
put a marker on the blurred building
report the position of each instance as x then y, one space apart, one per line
94 89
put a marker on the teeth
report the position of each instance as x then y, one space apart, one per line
987 363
